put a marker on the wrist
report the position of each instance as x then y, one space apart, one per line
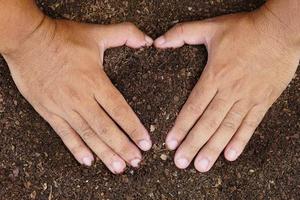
16 28
279 21
33 44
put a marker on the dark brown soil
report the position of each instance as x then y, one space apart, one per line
34 164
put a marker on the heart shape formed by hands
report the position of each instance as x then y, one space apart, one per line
66 84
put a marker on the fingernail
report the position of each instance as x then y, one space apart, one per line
135 162
149 40
145 145
87 161
118 166
203 164
231 154
172 144
182 163
160 41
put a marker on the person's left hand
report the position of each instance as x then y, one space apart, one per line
250 64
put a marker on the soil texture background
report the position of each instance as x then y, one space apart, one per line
34 164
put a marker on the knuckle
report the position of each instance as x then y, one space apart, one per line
253 123
218 104
234 115
232 120
63 132
211 124
102 131
74 97
229 125
179 28
86 132
120 111
194 109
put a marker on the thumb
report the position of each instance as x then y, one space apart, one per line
128 34
191 33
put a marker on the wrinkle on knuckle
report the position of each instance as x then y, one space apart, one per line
63 132
120 111
103 131
230 125
235 115
179 29
194 109
86 132
252 123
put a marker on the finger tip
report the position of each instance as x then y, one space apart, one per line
118 167
135 162
145 144
149 40
181 163
202 165
87 161
171 144
231 154
159 42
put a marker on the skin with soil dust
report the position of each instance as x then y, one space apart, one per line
34 164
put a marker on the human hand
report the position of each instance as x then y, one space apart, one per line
251 61
58 69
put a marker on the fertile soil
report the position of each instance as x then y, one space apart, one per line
34 164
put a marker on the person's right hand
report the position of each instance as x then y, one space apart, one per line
58 69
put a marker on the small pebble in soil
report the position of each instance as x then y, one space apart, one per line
152 128
45 186
27 184
176 98
16 172
33 195
164 157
